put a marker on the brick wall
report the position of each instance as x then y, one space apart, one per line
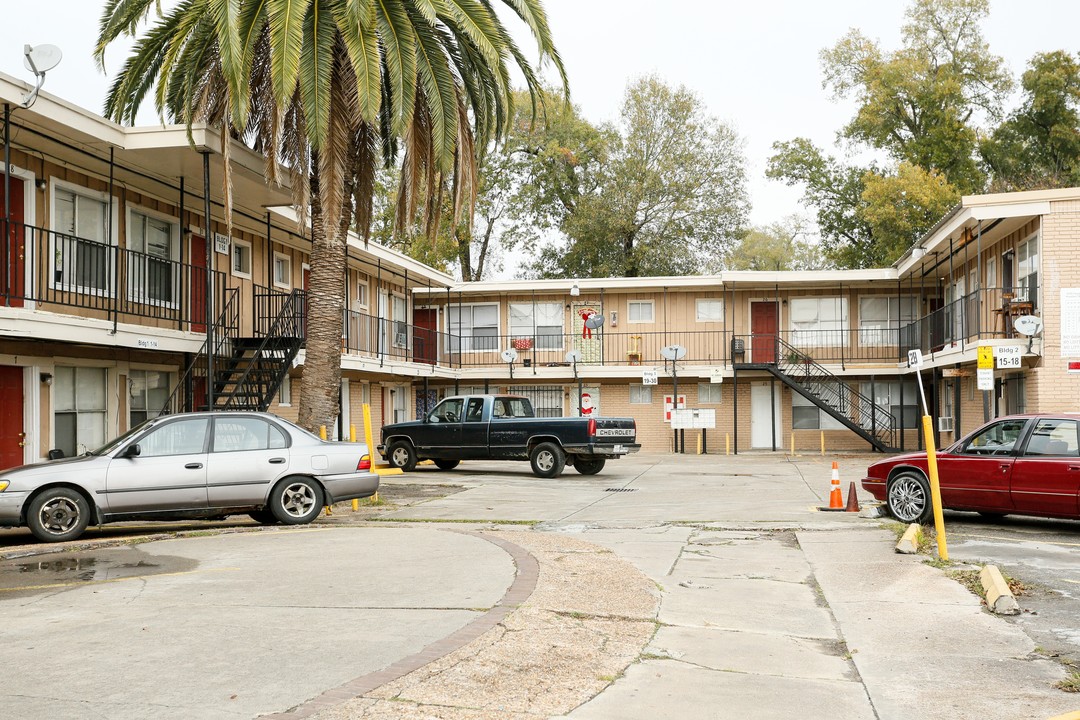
1049 386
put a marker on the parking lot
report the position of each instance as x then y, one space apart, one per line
757 593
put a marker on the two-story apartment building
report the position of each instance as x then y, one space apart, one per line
114 281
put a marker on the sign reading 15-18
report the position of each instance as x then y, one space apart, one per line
1009 357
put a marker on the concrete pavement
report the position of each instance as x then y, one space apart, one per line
664 587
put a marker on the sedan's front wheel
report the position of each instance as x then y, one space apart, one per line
296 500
58 515
909 498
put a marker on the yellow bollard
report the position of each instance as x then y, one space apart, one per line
792 443
822 443
699 444
352 435
370 443
727 443
322 432
935 487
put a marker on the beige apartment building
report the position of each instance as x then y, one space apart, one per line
115 282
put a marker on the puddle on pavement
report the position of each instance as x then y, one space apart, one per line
49 573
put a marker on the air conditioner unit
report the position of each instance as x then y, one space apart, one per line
400 339
945 424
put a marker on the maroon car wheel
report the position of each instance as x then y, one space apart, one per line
908 498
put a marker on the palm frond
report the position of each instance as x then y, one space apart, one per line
286 19
354 21
316 68
399 52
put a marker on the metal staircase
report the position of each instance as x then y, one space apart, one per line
247 371
855 411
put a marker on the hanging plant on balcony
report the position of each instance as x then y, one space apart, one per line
523 343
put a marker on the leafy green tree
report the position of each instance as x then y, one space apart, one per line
784 245
667 197
867 217
920 103
901 206
333 88
835 191
1038 146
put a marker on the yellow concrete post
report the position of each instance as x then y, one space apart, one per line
822 443
352 434
727 443
792 444
322 432
370 442
699 444
935 487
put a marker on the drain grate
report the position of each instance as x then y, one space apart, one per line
620 489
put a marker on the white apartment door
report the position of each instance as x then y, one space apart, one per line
761 431
384 322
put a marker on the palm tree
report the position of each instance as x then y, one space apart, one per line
329 91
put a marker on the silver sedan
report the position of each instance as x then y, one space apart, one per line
187 466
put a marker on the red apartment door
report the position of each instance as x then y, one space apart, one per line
13 282
763 326
425 343
12 434
198 284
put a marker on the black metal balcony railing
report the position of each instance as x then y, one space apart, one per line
56 269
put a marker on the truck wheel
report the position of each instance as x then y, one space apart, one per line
589 466
548 460
446 464
401 455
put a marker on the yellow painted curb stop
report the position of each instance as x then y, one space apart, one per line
999 597
1074 715
909 543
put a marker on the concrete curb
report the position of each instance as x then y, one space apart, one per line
909 543
999 598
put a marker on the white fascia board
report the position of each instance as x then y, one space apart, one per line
21 323
956 222
587 286
809 277
51 109
994 212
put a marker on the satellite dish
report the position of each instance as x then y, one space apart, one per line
1028 325
41 59
673 352
574 356
509 356
595 321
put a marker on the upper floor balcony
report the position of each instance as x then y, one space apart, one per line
63 273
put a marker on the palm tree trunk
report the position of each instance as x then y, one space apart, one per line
325 306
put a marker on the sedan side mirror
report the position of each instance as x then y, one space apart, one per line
132 451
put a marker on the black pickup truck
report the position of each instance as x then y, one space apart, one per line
504 427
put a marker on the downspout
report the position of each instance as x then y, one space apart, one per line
116 248
209 304
183 285
7 203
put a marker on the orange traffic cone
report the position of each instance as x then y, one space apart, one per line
836 498
852 499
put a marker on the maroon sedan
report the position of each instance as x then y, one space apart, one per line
1021 464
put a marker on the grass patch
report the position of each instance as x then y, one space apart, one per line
1070 684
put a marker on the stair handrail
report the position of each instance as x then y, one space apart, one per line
288 312
883 425
228 322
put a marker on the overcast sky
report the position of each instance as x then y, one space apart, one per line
755 64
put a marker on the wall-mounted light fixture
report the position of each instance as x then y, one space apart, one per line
918 252
46 378
41 183
575 290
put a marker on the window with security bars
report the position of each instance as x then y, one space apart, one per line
709 393
547 400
